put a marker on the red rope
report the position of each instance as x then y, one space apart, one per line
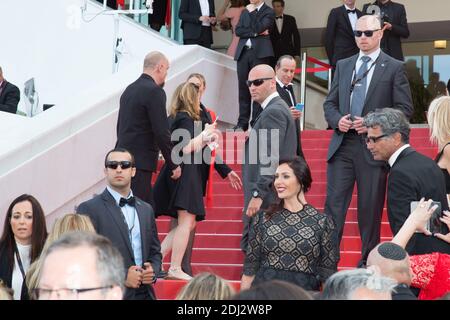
324 66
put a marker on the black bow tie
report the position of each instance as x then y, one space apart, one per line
131 201
288 87
351 11
280 17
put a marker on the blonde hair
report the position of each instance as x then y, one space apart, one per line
438 117
206 286
185 98
5 292
69 222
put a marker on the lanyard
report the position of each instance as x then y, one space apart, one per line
357 80
19 261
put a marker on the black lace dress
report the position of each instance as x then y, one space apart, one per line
292 246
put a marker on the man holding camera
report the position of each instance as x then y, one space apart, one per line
412 176
366 81
395 26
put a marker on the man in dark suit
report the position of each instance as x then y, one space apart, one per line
142 126
284 33
158 18
274 121
254 48
395 26
339 38
362 83
129 223
9 95
197 17
412 176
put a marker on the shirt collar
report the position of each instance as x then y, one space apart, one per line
348 8
259 7
373 56
395 155
268 99
117 195
282 84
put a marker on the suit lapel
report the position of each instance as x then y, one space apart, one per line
268 106
347 80
142 225
283 94
403 154
118 218
347 20
380 68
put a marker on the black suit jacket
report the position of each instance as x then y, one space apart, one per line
9 97
412 177
339 38
285 96
189 13
108 220
288 42
219 166
391 43
6 272
389 88
250 25
142 126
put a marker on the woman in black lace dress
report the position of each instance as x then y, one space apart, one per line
291 241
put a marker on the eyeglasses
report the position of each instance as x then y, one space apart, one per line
367 33
375 139
62 293
114 164
257 82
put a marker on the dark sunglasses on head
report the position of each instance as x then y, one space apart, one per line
114 164
256 82
375 139
367 33
195 85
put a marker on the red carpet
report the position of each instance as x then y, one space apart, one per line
216 247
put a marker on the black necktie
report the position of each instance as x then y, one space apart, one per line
280 17
288 87
351 11
131 201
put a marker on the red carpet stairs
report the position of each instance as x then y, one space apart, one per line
216 246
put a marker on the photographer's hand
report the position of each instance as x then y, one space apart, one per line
445 219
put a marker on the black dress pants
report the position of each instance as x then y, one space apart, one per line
141 184
350 164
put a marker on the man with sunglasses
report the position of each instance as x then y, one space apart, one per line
412 176
366 81
254 48
142 126
274 128
395 26
129 223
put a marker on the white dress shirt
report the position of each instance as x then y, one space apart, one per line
279 23
249 42
353 17
395 155
282 85
204 6
268 99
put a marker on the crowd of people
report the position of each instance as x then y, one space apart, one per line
111 249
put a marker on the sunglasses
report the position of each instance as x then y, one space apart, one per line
257 82
367 33
375 139
114 164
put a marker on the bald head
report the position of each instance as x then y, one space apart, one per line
392 261
156 65
371 20
262 82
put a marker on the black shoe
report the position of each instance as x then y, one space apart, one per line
239 127
161 274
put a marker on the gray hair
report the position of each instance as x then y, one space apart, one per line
286 56
152 59
110 266
390 121
342 285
